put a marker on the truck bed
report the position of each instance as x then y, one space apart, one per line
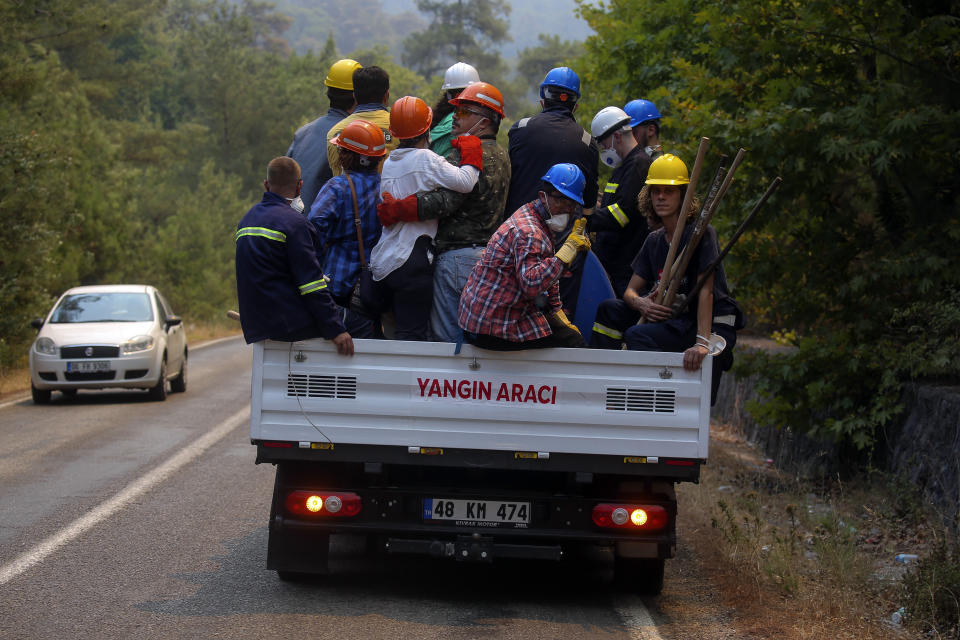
421 397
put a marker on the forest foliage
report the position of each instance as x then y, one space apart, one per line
856 105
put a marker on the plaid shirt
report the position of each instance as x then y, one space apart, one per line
332 215
517 265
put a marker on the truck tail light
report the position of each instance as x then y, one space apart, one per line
644 517
323 504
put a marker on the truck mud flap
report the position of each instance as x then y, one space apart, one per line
473 549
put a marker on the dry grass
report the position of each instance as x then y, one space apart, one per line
15 381
797 560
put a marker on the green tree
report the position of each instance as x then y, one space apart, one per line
459 31
61 198
533 63
857 106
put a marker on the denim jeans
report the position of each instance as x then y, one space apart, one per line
450 272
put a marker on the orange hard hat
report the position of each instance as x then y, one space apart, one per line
363 137
410 117
482 93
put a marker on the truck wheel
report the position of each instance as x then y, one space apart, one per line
159 392
643 576
296 576
179 384
40 396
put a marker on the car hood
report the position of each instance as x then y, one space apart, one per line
65 334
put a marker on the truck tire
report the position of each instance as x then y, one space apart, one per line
295 555
296 577
40 396
643 576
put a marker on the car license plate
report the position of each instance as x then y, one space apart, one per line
88 367
476 510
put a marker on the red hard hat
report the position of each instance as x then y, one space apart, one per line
362 137
410 117
482 93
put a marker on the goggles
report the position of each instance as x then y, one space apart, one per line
465 112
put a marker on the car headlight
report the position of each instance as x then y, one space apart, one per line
139 343
45 346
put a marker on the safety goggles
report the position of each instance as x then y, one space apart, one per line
465 112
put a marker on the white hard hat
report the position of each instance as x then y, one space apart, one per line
458 76
608 120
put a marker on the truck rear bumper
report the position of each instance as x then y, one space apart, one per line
475 548
677 470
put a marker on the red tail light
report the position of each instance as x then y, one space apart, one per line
643 517
316 504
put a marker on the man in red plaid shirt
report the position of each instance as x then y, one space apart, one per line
512 300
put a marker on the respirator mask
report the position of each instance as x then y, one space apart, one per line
609 156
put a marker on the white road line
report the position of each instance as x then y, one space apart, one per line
640 625
10 403
131 492
202 345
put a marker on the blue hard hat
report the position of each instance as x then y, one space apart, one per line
567 179
641 111
563 78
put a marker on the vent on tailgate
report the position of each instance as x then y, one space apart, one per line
646 400
316 386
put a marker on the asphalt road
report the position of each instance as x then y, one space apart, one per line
126 518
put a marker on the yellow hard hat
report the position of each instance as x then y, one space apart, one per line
668 169
340 75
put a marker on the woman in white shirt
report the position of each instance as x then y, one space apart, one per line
402 261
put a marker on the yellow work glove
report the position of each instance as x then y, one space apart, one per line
576 242
559 318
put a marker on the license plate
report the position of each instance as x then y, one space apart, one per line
88 366
469 511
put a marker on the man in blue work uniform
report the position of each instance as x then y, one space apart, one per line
645 124
548 138
309 146
280 286
619 226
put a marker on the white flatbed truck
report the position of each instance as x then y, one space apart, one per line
477 455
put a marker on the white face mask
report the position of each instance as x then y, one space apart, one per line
559 222
611 158
296 203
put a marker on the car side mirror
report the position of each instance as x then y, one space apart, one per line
173 321
36 323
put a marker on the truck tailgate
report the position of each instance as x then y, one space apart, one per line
422 394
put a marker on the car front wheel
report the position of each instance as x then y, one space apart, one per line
179 384
40 396
159 392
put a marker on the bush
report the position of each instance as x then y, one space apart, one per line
932 592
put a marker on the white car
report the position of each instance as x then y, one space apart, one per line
120 335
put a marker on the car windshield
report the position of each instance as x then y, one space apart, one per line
103 307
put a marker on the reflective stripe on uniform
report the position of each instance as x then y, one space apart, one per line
611 187
310 287
618 214
607 331
263 232
730 320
